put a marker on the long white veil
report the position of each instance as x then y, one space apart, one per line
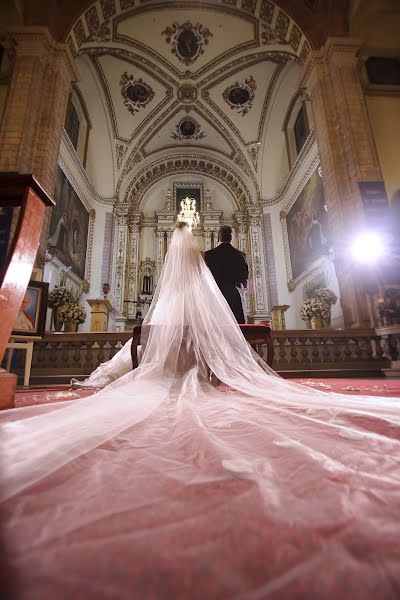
189 332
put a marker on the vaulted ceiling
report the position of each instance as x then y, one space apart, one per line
205 80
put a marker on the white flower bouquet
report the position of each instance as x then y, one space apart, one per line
314 308
74 313
326 295
58 297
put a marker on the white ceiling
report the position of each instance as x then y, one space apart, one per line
259 44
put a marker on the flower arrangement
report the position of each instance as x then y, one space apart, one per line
315 307
58 297
326 295
61 294
74 313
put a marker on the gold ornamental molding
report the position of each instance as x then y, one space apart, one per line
193 164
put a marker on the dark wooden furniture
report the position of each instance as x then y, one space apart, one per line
18 191
256 336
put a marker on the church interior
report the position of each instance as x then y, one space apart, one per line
278 118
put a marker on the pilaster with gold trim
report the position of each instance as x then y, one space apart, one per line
134 226
259 299
121 234
241 231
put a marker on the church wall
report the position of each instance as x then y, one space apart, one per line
283 288
95 283
147 243
274 161
53 269
323 275
100 167
384 114
377 24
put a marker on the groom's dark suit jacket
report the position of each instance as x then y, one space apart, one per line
230 269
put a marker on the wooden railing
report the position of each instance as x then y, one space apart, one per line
60 356
348 350
389 341
25 192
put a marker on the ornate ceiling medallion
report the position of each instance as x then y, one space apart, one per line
187 40
187 93
136 92
240 95
188 129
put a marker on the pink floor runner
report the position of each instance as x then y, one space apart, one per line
110 526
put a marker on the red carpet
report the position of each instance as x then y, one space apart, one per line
156 514
47 395
364 387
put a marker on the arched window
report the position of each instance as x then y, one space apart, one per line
72 125
77 123
296 127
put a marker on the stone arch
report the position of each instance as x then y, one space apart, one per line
181 164
317 19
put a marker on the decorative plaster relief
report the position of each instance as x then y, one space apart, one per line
270 36
240 95
191 163
187 93
187 40
102 34
254 151
136 92
188 129
120 151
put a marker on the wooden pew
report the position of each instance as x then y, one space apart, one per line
256 335
26 192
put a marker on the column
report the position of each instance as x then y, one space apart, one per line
207 239
160 252
241 231
169 236
347 152
34 115
120 263
132 287
259 300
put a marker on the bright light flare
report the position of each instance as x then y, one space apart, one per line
367 248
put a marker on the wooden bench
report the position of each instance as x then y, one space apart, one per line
256 335
24 191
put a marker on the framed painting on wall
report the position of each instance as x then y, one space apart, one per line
31 318
69 226
183 190
307 227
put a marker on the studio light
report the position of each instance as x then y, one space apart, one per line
367 248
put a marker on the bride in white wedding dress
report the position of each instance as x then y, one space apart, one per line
244 494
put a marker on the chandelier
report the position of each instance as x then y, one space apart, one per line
189 213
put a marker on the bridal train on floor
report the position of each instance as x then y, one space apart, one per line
251 493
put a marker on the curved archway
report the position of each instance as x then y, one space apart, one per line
317 20
182 164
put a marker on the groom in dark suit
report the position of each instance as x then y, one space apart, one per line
229 269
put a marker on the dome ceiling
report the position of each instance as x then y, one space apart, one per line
178 77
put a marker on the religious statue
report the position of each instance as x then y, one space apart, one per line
147 285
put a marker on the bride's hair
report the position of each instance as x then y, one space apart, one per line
181 224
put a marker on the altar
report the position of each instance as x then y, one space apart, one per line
142 237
